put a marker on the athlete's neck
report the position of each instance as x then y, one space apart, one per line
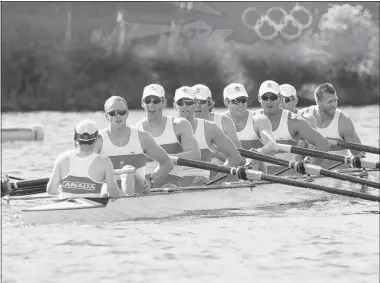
84 150
119 129
155 120
274 116
209 116
238 118
324 116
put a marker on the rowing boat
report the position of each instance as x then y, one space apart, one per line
254 189
169 202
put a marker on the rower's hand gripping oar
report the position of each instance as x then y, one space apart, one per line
248 174
305 168
354 161
354 146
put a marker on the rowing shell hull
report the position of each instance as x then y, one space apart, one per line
162 205
165 204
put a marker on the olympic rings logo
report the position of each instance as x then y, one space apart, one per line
278 27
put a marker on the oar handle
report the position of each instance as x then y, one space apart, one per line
355 146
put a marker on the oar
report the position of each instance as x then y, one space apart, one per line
37 186
305 168
354 146
247 174
355 161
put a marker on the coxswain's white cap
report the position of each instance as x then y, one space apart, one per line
234 90
154 90
201 92
269 86
287 90
184 92
86 130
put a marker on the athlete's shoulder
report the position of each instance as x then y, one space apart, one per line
64 155
178 120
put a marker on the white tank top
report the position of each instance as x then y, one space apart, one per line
169 142
129 154
248 136
78 180
200 136
331 131
218 120
283 136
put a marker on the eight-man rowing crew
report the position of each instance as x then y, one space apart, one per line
197 134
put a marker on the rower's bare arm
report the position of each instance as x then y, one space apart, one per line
224 143
264 128
310 119
348 132
52 187
230 130
312 136
189 144
157 153
112 186
98 144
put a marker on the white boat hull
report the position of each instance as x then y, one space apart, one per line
171 203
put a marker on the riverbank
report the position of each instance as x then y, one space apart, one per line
42 70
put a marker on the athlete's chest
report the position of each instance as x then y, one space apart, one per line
119 140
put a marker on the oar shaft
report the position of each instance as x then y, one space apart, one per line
355 146
254 175
346 177
356 162
308 168
317 187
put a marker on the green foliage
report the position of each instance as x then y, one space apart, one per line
44 70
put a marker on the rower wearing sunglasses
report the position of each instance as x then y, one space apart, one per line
207 134
126 145
288 128
173 134
289 101
253 129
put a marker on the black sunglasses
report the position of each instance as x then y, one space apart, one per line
155 100
271 96
201 101
288 99
188 102
113 113
238 100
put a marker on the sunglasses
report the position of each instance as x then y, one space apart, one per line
238 100
113 113
155 100
188 102
288 99
201 102
271 96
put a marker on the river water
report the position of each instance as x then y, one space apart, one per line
324 241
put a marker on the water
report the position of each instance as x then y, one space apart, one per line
334 240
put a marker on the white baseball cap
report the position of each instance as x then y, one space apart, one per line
86 130
201 92
287 90
234 90
269 86
153 89
184 92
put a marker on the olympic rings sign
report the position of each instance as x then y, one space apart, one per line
278 27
